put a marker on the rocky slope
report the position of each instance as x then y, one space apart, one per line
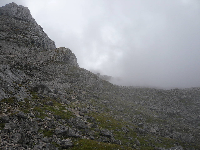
48 102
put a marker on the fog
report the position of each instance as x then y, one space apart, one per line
140 42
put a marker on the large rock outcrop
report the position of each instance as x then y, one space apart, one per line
17 26
24 46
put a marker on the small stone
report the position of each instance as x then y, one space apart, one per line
91 137
4 119
106 133
22 115
62 130
176 148
45 139
140 125
137 142
16 137
81 113
10 126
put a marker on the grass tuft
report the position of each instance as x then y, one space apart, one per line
86 144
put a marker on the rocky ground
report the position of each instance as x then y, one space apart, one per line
48 102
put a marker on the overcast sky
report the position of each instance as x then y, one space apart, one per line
144 43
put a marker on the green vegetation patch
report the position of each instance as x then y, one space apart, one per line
45 105
86 144
55 144
40 112
59 111
107 121
117 127
9 100
2 125
128 134
47 133
40 107
25 105
34 95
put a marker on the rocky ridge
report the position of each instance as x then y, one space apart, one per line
18 26
48 102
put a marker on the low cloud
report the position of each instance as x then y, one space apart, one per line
144 43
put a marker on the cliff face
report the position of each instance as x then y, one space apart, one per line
19 28
48 102
25 48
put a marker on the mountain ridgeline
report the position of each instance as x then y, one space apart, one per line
48 102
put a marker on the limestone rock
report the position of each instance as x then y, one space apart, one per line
15 11
17 26
106 133
63 55
66 143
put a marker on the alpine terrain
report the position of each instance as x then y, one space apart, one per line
47 102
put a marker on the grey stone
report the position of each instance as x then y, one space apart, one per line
62 130
45 139
10 126
79 123
18 16
22 115
92 137
13 10
16 137
44 146
176 148
66 143
137 142
72 133
66 131
106 133
141 131
4 119
140 125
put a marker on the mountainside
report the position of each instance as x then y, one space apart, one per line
48 102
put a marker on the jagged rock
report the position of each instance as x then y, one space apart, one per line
141 131
61 130
22 115
64 55
116 141
72 133
18 26
66 131
15 11
137 142
44 146
10 126
46 140
125 130
91 137
140 125
66 143
106 133
4 119
81 113
16 137
79 123
42 89
176 148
